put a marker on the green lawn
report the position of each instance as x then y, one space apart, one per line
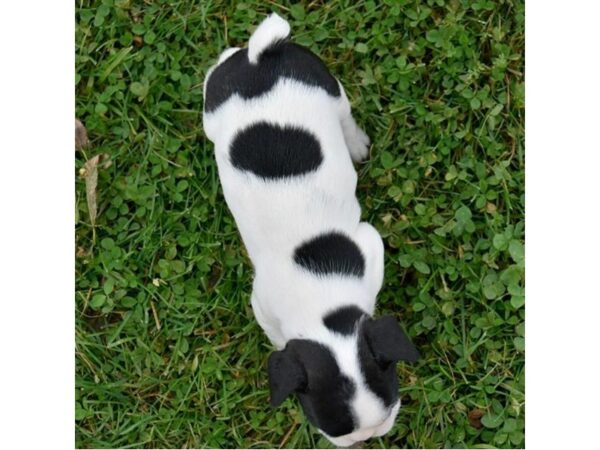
168 353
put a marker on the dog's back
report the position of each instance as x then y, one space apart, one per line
273 112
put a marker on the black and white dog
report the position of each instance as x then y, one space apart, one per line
284 142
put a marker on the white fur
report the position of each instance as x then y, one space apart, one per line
272 29
274 217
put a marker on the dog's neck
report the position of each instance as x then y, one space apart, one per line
300 313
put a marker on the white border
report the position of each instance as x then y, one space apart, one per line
562 223
37 204
36 225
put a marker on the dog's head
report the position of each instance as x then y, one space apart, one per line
346 377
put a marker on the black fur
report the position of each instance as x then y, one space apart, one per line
381 344
331 253
383 381
388 342
282 60
323 391
343 320
273 152
286 376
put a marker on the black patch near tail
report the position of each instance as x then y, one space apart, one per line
331 253
274 152
236 75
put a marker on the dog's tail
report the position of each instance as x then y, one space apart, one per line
271 31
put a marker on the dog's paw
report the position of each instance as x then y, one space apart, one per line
358 144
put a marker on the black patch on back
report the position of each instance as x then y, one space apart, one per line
343 320
272 152
331 253
327 395
382 380
283 60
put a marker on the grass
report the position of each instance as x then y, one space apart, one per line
168 353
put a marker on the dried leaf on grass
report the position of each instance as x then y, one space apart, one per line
90 173
475 416
81 138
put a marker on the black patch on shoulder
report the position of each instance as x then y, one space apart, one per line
331 253
327 396
383 381
285 60
271 151
343 320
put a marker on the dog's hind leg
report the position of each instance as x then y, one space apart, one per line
356 139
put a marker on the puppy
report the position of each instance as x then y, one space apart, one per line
284 141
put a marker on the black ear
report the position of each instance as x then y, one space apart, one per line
388 342
286 374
